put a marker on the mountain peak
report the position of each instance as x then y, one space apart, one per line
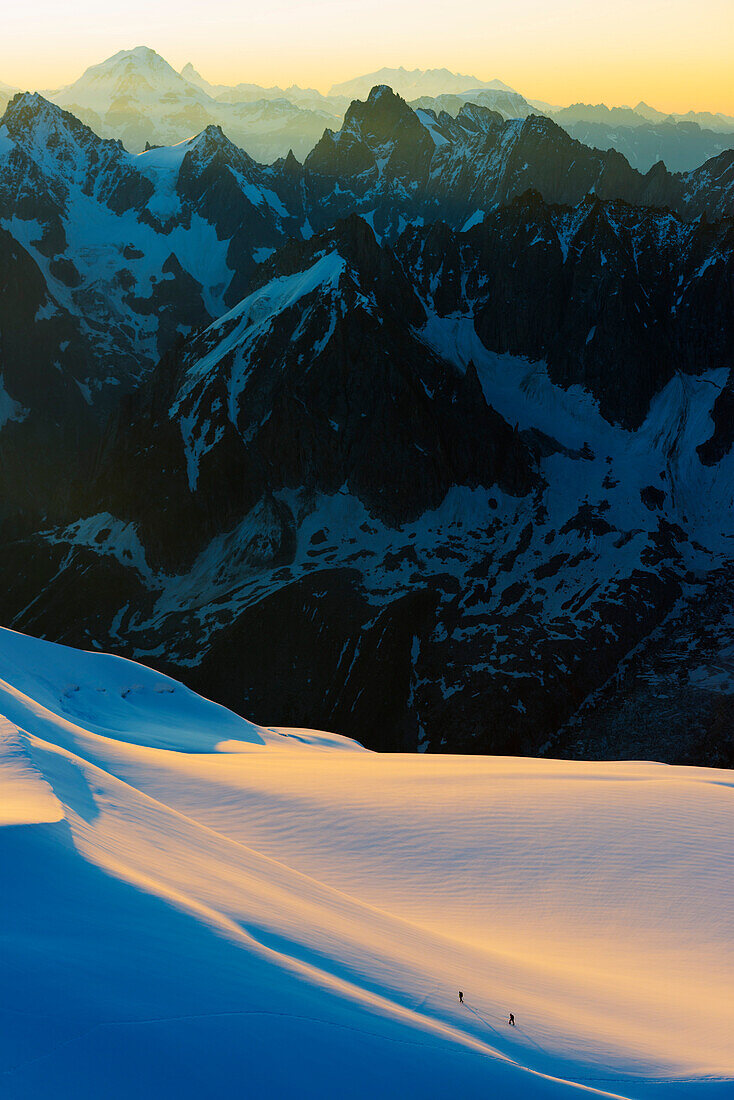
29 112
145 53
140 57
379 91
26 101
379 113
212 134
541 124
131 68
30 102
193 76
291 165
473 116
141 54
371 127
209 145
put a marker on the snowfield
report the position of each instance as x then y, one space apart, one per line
196 906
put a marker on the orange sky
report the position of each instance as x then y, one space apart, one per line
675 54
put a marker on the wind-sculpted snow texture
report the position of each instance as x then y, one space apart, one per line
194 904
420 440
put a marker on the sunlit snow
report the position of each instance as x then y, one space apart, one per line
193 904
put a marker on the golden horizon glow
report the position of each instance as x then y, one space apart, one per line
674 55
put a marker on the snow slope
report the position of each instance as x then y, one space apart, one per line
193 904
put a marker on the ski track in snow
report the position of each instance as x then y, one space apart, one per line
193 902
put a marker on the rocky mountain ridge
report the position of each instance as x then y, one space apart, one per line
386 440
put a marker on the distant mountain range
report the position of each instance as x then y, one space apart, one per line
138 97
410 84
638 116
706 119
421 439
333 105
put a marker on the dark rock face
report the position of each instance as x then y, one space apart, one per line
666 701
382 138
720 443
610 296
46 422
345 650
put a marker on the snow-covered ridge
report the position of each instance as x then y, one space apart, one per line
200 886
281 293
80 698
